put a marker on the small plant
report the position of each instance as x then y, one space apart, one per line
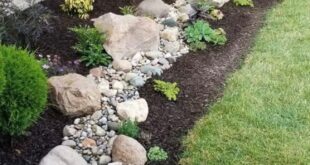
195 46
24 93
170 90
129 128
79 7
157 154
128 10
201 31
244 3
90 46
203 6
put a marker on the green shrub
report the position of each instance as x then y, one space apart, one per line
244 3
90 46
201 31
129 128
2 78
25 93
170 90
79 7
128 10
157 154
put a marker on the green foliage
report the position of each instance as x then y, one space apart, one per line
90 46
244 3
2 78
170 90
195 46
201 31
129 128
157 154
203 6
25 92
79 7
128 10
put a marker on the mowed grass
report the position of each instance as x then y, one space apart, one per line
264 115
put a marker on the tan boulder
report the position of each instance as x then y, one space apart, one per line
74 94
127 35
128 150
153 8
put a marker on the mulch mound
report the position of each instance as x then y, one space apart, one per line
201 77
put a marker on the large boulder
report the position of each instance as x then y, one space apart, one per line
153 8
74 94
127 35
63 155
135 110
129 151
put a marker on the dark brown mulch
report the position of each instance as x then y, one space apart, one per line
200 75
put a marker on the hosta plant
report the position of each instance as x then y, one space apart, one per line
170 90
201 31
244 3
90 46
79 7
157 154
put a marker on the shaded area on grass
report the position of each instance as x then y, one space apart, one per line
263 117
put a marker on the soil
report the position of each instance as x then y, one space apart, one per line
201 77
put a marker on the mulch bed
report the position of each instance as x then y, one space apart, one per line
201 77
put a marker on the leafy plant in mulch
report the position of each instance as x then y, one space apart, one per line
244 3
200 32
24 90
79 7
90 46
129 128
24 28
170 90
128 10
157 154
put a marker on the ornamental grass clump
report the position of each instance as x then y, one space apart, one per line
79 7
170 90
24 90
129 128
157 154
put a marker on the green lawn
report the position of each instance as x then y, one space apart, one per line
264 115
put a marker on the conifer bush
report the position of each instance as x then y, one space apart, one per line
24 94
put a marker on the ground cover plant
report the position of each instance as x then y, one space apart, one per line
244 3
263 117
79 7
170 90
128 10
157 154
129 128
24 93
90 46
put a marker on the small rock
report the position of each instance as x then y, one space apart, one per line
153 8
104 159
99 131
63 155
122 65
97 72
116 163
135 110
153 54
129 76
77 121
172 60
110 92
113 125
136 58
170 22
183 17
69 143
171 47
188 9
88 143
117 85
129 151
96 116
69 130
163 61
170 34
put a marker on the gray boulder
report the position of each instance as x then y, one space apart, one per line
153 8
